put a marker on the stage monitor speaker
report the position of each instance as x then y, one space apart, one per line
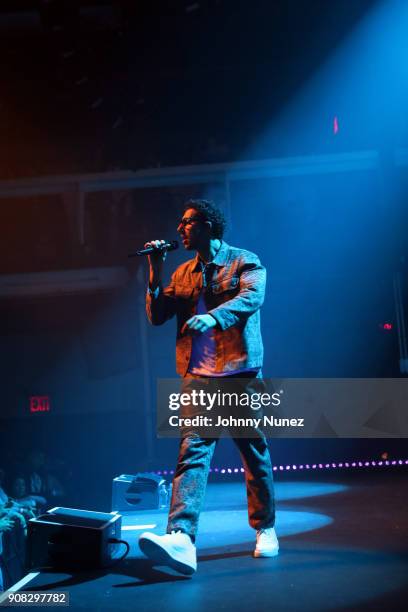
143 491
73 539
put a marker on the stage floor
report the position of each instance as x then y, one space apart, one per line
343 546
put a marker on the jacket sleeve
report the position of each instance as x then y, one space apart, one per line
252 281
161 307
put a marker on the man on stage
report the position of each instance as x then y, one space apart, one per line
216 297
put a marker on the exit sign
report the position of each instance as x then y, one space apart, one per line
39 403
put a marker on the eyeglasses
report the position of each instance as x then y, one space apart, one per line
187 221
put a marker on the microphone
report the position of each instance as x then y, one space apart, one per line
171 245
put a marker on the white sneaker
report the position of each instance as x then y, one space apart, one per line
267 544
173 549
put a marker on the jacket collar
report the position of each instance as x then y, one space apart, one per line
219 260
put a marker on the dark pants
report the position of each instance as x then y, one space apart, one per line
192 470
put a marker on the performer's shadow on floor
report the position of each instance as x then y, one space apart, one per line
148 572
143 570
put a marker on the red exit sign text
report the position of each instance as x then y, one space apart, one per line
39 403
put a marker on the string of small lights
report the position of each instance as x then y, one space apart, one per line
309 466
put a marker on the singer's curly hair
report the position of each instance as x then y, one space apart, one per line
209 212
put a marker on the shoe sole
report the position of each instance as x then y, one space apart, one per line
156 553
259 554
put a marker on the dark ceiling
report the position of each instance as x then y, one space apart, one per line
92 86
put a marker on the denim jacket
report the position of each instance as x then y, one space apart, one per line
233 296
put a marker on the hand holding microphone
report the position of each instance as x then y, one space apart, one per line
159 246
156 250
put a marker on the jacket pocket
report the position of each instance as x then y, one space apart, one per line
183 292
227 284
